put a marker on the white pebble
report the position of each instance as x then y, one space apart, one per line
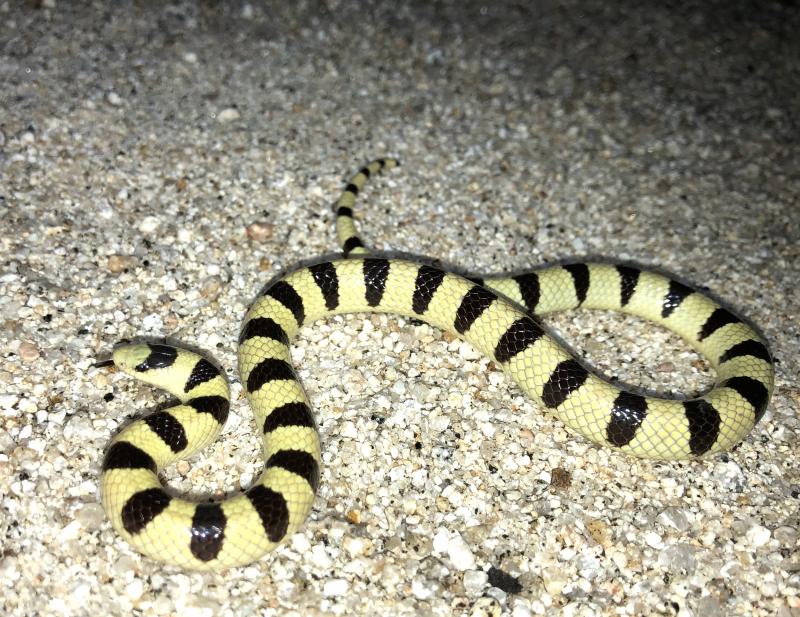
134 590
349 430
149 224
460 554
114 99
354 546
554 580
653 540
91 516
9 568
7 401
228 115
78 427
758 535
319 557
124 566
300 543
153 322
390 576
70 532
520 610
81 593
475 581
422 589
440 541
335 587
198 606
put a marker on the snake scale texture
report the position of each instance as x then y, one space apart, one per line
496 315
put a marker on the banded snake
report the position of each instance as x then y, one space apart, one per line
497 315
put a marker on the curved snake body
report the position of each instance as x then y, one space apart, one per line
495 315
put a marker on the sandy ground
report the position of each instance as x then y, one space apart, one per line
139 142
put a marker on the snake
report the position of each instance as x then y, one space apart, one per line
498 315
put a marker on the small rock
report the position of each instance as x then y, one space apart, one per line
114 99
589 566
758 535
335 587
561 81
134 590
653 540
785 535
90 516
228 115
390 576
210 287
80 593
679 558
70 532
599 532
520 610
486 607
709 606
319 557
560 479
354 546
354 516
730 475
475 581
78 428
28 352
153 322
120 263
199 606
260 232
554 580
149 224
8 401
6 441
300 543
460 553
422 588
503 580
675 518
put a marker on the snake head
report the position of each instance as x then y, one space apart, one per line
133 358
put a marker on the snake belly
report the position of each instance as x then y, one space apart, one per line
496 315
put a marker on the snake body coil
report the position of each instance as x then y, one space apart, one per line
495 315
